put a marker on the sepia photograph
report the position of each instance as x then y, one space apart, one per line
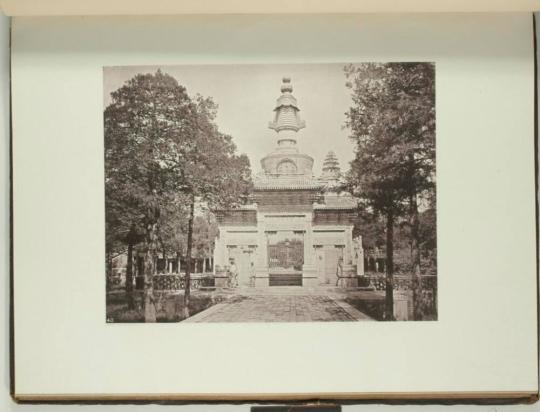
270 193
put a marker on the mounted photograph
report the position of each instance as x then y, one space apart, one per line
270 193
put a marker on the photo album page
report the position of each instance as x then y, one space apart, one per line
242 207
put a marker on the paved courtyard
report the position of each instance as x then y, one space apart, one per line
283 307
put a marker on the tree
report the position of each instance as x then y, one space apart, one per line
205 230
173 228
216 175
173 232
148 124
121 232
392 122
164 155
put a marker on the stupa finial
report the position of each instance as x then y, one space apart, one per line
286 118
286 86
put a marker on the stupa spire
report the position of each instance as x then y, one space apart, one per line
331 171
287 121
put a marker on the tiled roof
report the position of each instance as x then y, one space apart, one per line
286 181
287 184
334 207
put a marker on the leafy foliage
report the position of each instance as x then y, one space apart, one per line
163 154
392 122
147 128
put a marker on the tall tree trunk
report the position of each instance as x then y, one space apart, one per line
414 222
129 277
108 271
165 263
149 262
389 297
188 257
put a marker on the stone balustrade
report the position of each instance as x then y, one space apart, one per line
176 282
402 282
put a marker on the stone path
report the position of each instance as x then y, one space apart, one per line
280 308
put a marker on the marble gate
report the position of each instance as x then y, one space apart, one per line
298 228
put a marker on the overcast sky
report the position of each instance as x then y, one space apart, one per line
246 95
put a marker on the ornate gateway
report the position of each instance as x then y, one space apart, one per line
298 225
